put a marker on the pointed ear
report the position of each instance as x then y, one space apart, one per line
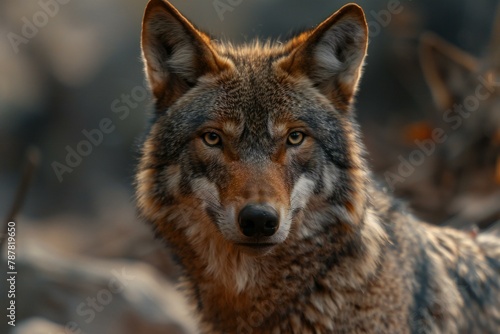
447 69
332 54
175 53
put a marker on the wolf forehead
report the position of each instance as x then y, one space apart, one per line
254 88
253 98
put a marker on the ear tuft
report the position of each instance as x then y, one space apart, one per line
176 54
342 47
332 54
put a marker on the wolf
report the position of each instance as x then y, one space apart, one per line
466 92
254 173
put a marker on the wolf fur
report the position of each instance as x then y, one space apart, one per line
347 257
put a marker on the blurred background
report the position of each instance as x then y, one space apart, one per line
70 68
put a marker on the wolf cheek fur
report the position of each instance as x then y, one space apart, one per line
268 129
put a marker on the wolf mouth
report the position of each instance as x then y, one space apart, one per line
256 245
257 248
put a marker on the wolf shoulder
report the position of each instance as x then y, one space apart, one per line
450 276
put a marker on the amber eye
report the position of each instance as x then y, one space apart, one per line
295 138
211 139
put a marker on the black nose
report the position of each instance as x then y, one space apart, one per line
258 220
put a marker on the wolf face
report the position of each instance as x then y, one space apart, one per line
246 139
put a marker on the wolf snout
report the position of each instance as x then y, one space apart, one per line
258 220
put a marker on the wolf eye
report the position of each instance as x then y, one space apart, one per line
211 139
295 138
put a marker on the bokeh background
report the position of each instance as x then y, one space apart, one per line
76 232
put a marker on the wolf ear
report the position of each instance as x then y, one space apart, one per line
332 54
175 53
447 69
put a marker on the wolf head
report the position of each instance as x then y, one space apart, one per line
467 92
251 145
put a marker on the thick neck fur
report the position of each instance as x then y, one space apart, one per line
228 286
